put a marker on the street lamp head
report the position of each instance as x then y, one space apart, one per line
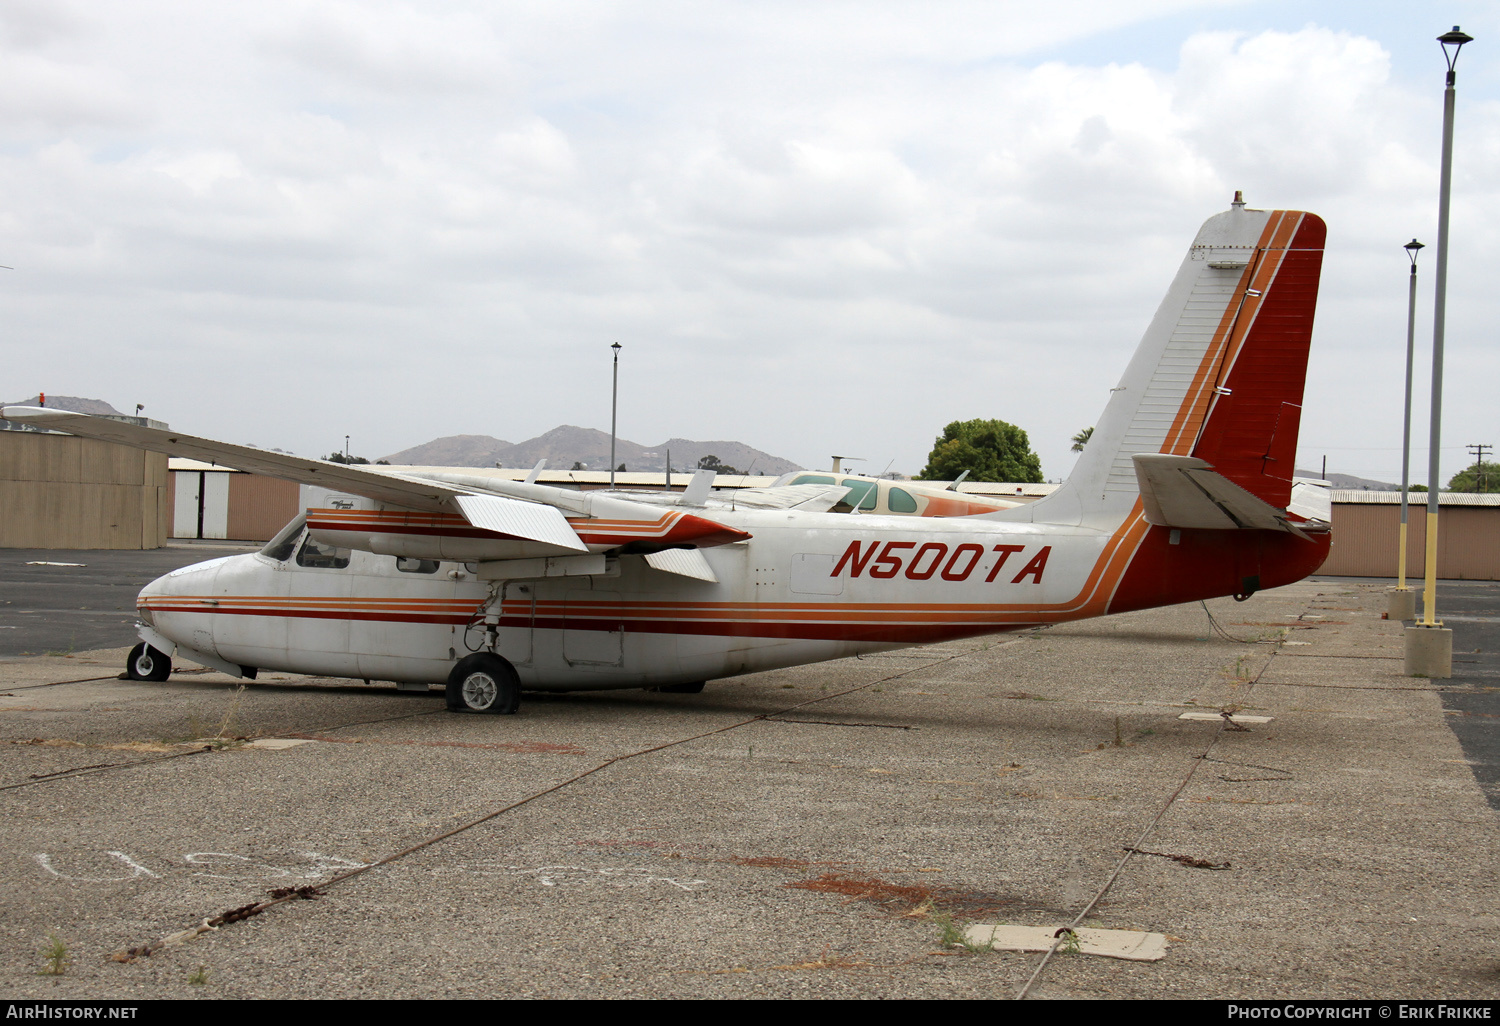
616 345
1411 250
1455 39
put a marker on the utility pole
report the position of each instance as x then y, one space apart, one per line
1479 451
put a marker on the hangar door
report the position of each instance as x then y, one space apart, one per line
201 504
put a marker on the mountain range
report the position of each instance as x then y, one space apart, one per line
73 404
566 445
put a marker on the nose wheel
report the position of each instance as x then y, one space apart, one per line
483 683
146 663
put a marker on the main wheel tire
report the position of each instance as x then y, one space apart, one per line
695 688
146 663
483 683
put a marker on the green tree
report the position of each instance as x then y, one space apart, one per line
990 450
1481 477
338 457
1082 438
711 462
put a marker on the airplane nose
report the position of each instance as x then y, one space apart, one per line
197 579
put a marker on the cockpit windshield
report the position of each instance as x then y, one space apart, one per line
281 547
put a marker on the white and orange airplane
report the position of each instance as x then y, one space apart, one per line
1184 492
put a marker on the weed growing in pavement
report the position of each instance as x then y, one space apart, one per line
200 977
55 954
65 653
228 725
951 933
1238 673
1069 945
231 715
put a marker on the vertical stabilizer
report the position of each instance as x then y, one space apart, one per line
1218 375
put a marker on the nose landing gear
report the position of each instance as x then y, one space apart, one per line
146 663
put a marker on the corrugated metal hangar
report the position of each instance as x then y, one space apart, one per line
1367 531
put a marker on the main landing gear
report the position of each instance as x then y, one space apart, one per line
146 663
483 683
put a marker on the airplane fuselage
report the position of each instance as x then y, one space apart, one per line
804 587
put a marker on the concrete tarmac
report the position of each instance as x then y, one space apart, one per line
801 833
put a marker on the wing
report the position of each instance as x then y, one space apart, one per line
431 514
382 486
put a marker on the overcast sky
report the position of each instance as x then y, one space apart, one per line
814 227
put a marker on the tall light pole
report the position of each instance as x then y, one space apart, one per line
614 405
1429 645
1403 602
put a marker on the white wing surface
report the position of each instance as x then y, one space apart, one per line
382 486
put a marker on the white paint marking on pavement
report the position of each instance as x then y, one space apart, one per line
1133 945
45 861
1236 718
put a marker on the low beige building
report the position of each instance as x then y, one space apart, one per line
1367 531
62 492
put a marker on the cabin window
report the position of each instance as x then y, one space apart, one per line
861 493
901 501
322 557
416 566
813 479
281 547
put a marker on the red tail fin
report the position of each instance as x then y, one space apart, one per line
1250 433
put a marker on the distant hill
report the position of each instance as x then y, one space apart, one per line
1358 484
73 404
565 445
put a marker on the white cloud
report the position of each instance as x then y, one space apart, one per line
813 228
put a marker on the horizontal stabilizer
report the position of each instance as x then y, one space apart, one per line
684 562
529 520
1311 500
1184 491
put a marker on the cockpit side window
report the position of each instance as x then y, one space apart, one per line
408 565
813 479
901 501
281 547
323 557
861 493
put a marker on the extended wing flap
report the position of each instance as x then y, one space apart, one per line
531 521
684 562
1184 491
382 487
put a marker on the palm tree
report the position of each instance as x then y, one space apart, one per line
1082 438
